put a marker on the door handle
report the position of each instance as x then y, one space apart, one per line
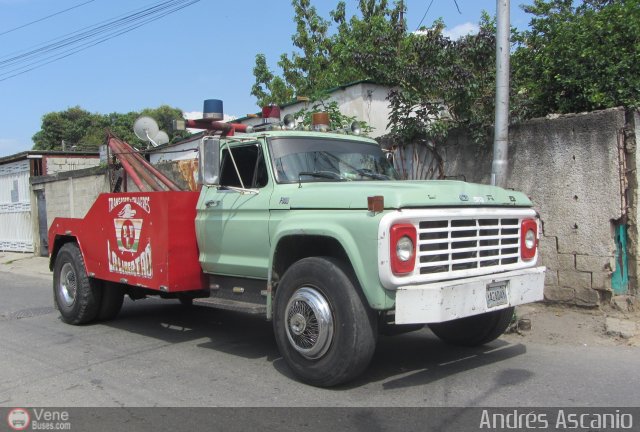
211 203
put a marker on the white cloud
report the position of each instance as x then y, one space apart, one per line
461 30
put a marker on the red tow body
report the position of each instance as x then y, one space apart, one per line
144 239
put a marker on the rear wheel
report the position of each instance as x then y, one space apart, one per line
324 329
76 296
112 299
474 330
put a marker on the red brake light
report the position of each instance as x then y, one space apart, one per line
528 239
402 248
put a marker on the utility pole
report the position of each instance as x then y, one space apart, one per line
500 164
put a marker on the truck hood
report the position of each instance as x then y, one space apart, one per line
401 194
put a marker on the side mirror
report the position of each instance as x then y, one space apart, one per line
209 161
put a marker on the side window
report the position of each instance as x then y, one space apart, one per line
251 166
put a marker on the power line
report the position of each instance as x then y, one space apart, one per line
44 18
87 37
87 32
425 15
429 7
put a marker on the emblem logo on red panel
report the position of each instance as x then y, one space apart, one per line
130 248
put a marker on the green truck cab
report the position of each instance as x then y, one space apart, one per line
318 231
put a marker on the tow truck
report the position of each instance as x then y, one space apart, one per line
312 229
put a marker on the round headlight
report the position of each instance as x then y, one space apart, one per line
404 249
530 239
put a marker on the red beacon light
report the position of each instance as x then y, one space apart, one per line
271 114
271 120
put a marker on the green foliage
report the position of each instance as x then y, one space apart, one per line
438 84
337 120
85 130
573 58
324 55
268 88
577 58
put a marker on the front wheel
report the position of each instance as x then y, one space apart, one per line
474 330
324 329
76 296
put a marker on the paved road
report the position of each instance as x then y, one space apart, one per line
158 353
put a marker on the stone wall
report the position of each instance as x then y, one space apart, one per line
573 169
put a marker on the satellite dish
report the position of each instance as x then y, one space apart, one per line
146 129
161 138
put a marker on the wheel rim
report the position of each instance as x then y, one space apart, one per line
68 285
309 323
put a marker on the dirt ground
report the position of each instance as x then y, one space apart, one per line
553 324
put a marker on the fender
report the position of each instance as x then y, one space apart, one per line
344 226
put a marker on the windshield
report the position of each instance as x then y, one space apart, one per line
298 159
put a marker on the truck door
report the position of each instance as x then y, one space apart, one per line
233 225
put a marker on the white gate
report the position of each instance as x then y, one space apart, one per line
15 208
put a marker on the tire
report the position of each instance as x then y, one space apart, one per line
76 296
474 330
111 303
324 329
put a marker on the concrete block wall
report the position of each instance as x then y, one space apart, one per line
68 194
571 167
56 164
73 196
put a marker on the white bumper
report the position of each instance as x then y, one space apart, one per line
448 300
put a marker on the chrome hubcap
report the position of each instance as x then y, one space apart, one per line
309 323
68 285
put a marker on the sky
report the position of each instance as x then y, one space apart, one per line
203 51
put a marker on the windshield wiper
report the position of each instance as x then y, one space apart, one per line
322 174
364 172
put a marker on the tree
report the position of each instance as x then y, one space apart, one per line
165 115
577 58
69 126
84 130
324 56
438 84
268 88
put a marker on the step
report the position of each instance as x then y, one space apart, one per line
232 305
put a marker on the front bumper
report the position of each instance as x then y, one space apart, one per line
448 300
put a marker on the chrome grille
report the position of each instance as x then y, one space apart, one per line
467 245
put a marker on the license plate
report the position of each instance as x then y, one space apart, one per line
497 294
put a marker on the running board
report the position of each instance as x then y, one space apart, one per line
232 305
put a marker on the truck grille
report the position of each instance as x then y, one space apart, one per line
467 245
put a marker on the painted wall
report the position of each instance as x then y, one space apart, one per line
15 212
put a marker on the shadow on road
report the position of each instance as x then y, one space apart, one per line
420 358
408 360
229 332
